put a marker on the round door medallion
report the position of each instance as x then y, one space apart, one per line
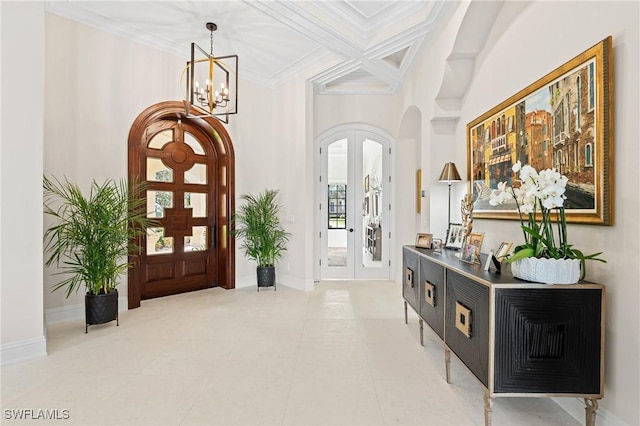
180 156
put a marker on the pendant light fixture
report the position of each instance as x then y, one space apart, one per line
211 83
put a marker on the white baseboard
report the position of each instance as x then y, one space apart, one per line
24 350
281 279
76 312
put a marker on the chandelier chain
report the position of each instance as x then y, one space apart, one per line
212 43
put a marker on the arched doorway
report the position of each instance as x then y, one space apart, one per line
355 198
187 164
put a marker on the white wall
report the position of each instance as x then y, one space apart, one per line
21 35
96 84
526 41
90 105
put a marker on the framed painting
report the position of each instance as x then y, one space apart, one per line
562 121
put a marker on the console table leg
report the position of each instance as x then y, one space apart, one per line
421 332
406 319
590 409
488 403
447 364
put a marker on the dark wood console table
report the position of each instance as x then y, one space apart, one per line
517 338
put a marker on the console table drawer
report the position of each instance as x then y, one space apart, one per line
548 340
467 323
431 295
410 265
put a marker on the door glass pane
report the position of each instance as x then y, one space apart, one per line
336 212
197 241
161 139
157 171
157 243
373 201
337 206
196 174
190 140
157 201
198 202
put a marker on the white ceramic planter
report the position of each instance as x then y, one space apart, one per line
548 271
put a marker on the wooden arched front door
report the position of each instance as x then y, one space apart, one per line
188 166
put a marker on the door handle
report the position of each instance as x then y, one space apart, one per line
350 229
213 236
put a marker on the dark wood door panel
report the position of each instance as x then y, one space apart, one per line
188 165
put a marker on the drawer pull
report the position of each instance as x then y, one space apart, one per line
463 319
408 277
430 293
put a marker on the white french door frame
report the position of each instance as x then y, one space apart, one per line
355 134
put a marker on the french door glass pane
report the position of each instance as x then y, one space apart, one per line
157 201
197 241
337 213
373 201
157 243
196 201
190 140
197 174
157 171
161 139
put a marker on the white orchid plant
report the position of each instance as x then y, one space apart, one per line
540 198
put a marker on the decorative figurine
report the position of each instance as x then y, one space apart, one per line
466 208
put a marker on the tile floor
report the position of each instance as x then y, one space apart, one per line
341 354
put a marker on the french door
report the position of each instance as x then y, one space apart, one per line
354 207
187 165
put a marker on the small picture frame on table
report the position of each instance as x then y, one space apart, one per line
424 240
503 250
455 236
469 253
476 239
436 245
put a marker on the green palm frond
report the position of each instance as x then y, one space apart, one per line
93 235
257 224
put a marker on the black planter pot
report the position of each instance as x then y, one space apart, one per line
100 309
266 277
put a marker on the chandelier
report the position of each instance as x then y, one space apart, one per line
211 83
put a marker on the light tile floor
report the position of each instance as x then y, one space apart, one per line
341 354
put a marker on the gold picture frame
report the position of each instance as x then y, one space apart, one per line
503 250
424 240
476 238
563 121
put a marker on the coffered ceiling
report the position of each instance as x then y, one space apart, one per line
344 46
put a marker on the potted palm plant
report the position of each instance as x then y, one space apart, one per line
257 224
91 239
